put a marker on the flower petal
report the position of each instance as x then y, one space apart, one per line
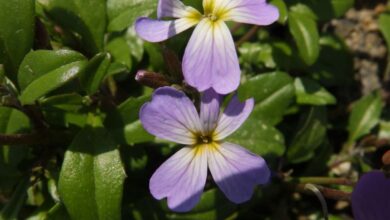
249 11
209 110
232 118
181 179
237 171
371 197
174 9
171 115
158 30
210 58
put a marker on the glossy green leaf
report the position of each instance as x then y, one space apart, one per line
283 12
95 71
17 18
87 18
256 54
120 51
310 92
122 14
40 62
303 27
92 175
135 133
258 137
51 81
273 93
311 133
384 21
67 102
364 116
124 123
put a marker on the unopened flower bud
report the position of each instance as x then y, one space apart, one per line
151 79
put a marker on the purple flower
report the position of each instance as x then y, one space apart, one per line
172 116
371 197
210 59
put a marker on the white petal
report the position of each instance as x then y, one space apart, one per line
181 179
233 117
237 171
210 59
175 9
158 30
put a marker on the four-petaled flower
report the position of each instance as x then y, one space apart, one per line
210 59
172 116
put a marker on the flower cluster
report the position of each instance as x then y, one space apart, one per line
210 59
210 65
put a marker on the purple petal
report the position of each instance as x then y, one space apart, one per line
181 179
371 197
209 110
158 30
210 59
174 9
171 115
237 171
251 12
232 118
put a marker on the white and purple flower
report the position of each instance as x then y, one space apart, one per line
210 59
172 116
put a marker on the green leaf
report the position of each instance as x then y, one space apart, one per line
303 27
92 175
327 10
135 133
283 13
17 18
265 141
86 18
340 7
364 116
51 81
273 93
311 133
124 124
310 92
123 14
120 51
255 54
40 62
94 73
384 21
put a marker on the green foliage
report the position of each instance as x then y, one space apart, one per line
303 27
92 175
72 145
364 116
87 19
16 35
